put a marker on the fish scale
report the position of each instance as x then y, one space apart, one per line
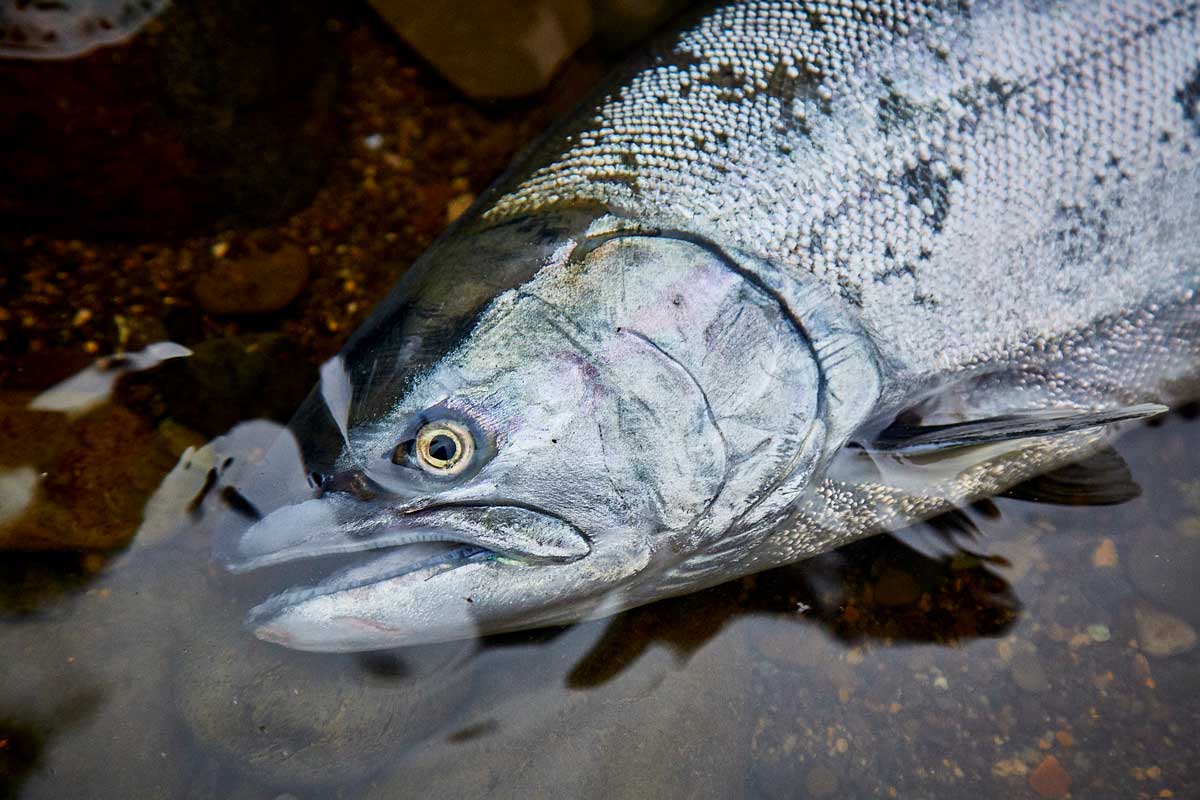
893 150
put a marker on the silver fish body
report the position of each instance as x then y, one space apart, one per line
667 348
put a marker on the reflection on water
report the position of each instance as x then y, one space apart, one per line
1059 656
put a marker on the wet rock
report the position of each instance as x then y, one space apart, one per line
257 282
1162 634
1009 767
17 488
789 645
218 113
492 48
284 718
896 588
821 782
1049 779
1162 566
1027 671
1105 554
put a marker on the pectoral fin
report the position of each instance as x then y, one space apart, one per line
911 472
912 440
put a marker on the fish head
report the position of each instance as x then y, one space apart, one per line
607 419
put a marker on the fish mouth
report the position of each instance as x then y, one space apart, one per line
398 546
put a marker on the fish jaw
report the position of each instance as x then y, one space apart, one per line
427 575
459 593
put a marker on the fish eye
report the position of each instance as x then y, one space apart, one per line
441 448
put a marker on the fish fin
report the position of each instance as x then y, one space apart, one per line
1102 479
338 393
941 537
907 439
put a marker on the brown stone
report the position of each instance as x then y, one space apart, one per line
1105 554
1163 634
258 282
492 48
1050 779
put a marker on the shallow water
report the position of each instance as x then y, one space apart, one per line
1059 658
871 671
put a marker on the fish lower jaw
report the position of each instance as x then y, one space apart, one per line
415 562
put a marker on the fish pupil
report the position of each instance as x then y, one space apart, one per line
443 448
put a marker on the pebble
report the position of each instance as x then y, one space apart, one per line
1028 672
17 487
1105 554
1049 779
820 782
256 283
457 205
788 645
1009 767
1162 634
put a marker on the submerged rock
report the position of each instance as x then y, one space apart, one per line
1162 634
492 48
1028 672
1162 566
896 588
289 719
256 282
17 488
1050 780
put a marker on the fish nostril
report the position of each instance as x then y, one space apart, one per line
353 482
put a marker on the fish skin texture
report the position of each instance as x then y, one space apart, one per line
985 183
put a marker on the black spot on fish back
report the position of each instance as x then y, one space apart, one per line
895 112
1188 97
921 183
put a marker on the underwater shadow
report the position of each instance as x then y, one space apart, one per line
878 588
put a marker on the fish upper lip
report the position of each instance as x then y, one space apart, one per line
496 527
